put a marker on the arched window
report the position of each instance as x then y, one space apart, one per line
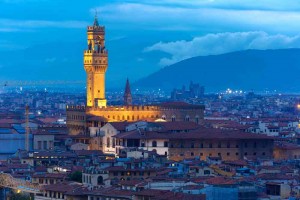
108 142
113 142
128 117
154 143
187 118
197 119
118 117
173 118
100 180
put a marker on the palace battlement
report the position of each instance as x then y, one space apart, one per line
134 108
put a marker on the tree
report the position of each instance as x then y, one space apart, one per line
76 176
20 196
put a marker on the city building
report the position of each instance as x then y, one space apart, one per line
96 112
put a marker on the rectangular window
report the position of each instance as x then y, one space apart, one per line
166 144
45 145
39 145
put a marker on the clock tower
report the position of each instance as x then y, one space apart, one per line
95 65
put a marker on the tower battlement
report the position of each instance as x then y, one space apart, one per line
95 53
96 28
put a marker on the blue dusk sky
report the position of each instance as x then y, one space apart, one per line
45 39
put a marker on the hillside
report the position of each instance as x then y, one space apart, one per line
247 70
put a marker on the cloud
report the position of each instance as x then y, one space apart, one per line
213 44
50 60
17 25
7 46
232 4
9 30
20 1
204 15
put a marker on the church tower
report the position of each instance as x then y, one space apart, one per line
127 94
95 65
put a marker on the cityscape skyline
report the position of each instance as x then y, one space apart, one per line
216 116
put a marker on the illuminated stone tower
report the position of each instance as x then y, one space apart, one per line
95 65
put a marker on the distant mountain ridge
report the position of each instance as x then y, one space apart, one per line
247 70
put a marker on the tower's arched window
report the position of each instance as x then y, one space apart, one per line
132 117
118 117
154 143
123 117
128 118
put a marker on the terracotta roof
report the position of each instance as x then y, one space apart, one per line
50 175
179 125
136 183
62 187
180 105
169 195
120 126
111 192
120 168
201 133
88 152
